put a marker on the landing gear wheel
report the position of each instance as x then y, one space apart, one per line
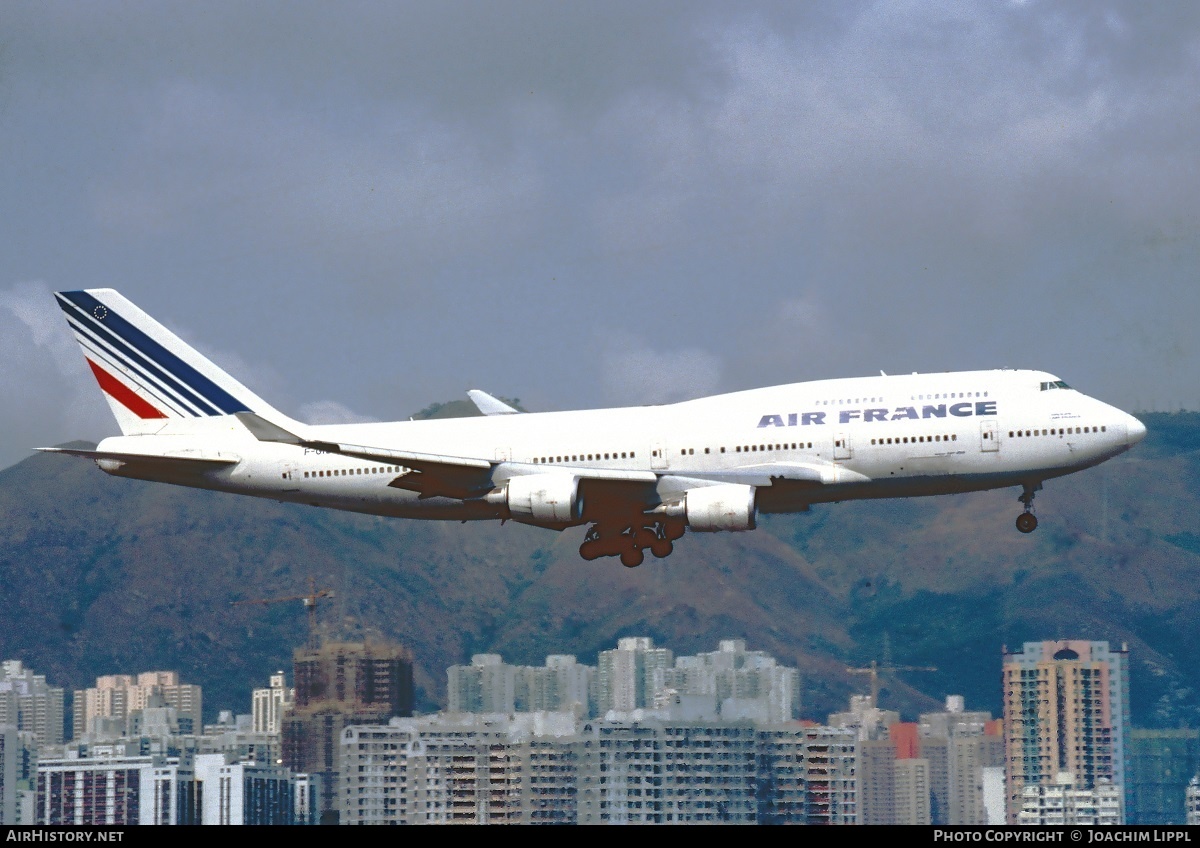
644 538
1026 522
590 550
661 548
632 557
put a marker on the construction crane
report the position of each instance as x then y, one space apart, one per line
310 603
874 668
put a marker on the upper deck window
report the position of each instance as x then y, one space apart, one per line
1056 384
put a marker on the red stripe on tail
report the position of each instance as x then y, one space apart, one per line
123 394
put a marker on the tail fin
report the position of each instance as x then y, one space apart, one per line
147 373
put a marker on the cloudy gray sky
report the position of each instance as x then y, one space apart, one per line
365 207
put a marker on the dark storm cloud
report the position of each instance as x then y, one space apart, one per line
374 206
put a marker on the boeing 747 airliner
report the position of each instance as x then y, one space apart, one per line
637 477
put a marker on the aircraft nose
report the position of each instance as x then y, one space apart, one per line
1135 430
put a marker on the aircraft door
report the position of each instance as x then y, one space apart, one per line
658 456
989 438
841 446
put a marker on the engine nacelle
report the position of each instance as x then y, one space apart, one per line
551 498
729 506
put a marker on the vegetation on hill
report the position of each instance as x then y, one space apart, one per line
104 575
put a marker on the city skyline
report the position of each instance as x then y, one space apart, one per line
118 695
943 769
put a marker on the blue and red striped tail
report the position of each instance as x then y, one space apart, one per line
149 376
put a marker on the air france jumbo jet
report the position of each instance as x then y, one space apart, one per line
637 477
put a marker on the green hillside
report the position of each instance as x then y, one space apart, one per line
104 575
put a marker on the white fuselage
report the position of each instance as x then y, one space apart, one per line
868 437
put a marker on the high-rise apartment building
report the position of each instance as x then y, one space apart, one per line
18 775
1066 708
667 772
1065 803
807 775
864 718
742 683
876 781
461 768
876 772
8 773
563 684
731 682
628 678
556 768
115 790
243 792
960 745
1159 765
487 685
911 804
268 705
337 685
104 709
29 704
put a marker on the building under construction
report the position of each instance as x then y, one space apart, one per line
338 685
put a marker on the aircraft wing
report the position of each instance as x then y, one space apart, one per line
434 475
439 475
431 475
465 477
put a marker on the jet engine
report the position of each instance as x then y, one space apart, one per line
550 498
729 506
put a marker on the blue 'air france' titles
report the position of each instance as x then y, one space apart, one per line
900 413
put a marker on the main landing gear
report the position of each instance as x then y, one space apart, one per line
1027 522
630 542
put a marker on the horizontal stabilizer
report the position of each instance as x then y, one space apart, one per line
178 460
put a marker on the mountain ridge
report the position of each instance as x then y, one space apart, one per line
107 575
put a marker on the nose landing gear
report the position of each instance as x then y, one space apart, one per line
1027 522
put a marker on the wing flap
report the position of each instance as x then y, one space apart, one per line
430 475
768 474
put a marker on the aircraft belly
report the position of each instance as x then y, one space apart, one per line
933 465
399 503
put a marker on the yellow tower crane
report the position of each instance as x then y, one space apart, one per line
310 603
874 668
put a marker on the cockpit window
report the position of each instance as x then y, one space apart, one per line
1056 384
